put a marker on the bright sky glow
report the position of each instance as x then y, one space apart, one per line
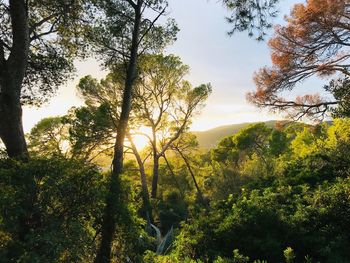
66 98
228 63
140 141
140 137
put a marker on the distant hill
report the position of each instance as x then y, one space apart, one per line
210 138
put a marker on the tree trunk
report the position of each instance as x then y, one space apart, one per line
11 128
144 186
155 176
12 72
156 157
193 176
114 196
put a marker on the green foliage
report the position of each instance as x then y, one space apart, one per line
111 35
151 257
256 139
253 17
238 258
261 223
91 131
56 37
277 142
210 138
49 210
251 153
270 190
50 137
171 209
303 203
130 239
252 139
339 88
225 152
289 255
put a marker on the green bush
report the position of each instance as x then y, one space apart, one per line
49 210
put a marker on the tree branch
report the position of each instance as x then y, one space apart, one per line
132 3
41 22
152 24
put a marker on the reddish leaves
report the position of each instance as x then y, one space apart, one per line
312 43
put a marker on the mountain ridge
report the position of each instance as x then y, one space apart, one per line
210 138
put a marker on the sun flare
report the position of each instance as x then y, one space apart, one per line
140 137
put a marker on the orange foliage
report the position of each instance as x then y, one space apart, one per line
309 99
304 24
311 43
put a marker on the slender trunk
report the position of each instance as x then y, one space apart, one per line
155 164
114 196
144 186
12 73
157 155
174 176
188 165
155 176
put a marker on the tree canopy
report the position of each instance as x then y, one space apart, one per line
312 43
252 16
85 191
55 32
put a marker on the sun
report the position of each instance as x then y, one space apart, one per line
140 137
140 141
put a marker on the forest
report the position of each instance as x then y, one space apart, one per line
81 188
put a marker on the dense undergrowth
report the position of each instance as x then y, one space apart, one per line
271 195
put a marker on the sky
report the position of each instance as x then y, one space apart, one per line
228 63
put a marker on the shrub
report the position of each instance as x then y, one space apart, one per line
49 210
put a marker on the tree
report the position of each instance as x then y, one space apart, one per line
278 142
251 16
301 205
162 100
141 163
50 209
50 137
91 132
313 43
253 150
166 103
84 133
93 127
184 146
253 140
340 90
36 55
124 32
225 152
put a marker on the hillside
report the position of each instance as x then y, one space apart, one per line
210 138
